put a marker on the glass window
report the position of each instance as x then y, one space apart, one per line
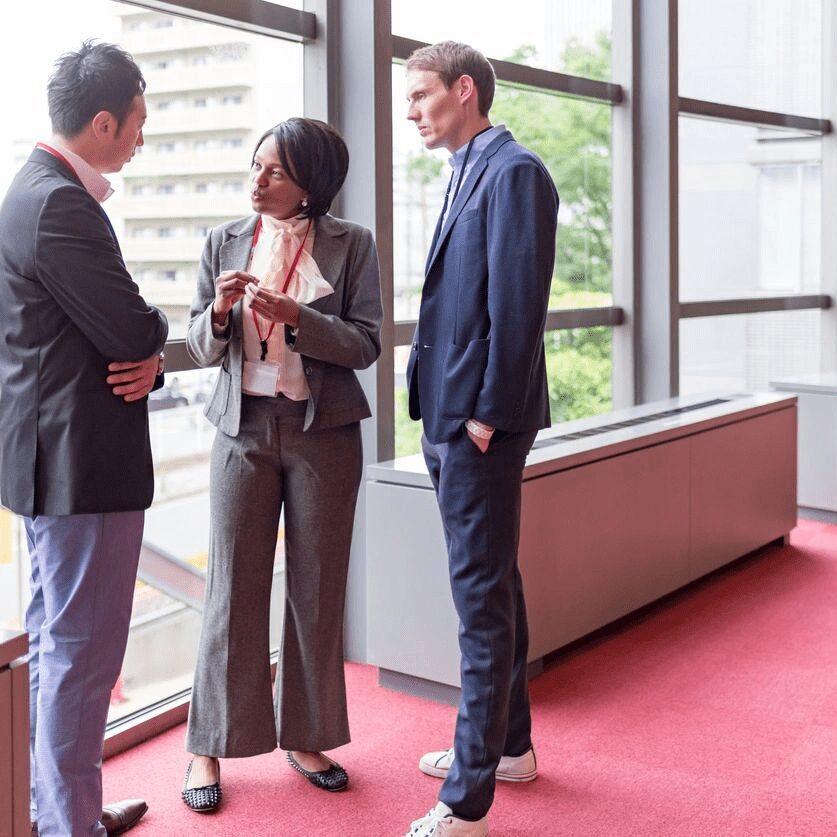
764 54
572 137
743 353
407 431
161 224
14 572
267 76
559 36
579 372
166 619
750 203
579 369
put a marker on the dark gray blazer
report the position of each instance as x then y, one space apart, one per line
337 334
68 307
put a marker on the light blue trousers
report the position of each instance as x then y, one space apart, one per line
83 573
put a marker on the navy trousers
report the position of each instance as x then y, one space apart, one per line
479 500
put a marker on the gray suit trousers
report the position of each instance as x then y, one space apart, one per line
316 476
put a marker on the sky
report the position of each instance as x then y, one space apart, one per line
31 39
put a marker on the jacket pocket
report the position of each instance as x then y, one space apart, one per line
220 399
462 376
467 215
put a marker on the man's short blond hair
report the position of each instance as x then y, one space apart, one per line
451 60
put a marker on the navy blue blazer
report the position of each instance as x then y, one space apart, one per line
478 350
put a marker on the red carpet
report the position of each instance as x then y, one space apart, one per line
713 713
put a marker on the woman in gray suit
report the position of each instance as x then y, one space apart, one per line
288 301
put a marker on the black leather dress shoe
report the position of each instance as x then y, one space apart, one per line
334 779
204 799
119 817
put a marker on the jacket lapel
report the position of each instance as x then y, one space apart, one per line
329 252
235 251
465 193
432 252
44 158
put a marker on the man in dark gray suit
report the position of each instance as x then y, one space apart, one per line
79 351
477 379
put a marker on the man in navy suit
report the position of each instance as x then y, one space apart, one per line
78 354
477 379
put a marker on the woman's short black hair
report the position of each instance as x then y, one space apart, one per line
97 77
314 156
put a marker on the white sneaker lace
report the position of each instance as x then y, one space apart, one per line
426 825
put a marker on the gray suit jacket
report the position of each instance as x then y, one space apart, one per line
336 334
68 307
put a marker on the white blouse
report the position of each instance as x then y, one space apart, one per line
275 250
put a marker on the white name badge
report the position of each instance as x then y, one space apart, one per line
260 377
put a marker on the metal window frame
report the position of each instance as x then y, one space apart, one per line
557 319
256 16
815 126
625 155
534 77
753 305
828 252
753 116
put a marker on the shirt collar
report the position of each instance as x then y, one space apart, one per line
95 183
294 226
481 142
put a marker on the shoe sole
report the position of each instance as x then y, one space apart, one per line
442 772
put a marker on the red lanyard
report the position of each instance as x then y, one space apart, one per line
288 277
59 155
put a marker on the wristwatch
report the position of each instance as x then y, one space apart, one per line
161 363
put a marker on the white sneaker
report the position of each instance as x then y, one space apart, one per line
510 769
440 822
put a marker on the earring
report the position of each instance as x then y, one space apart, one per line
304 202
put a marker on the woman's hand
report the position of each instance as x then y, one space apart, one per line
273 306
229 288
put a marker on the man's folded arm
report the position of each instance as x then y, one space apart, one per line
79 263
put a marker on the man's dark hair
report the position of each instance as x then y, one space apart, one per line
452 60
314 156
98 77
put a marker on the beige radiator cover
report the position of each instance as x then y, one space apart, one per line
609 524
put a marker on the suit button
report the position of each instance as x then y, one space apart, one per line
415 346
307 370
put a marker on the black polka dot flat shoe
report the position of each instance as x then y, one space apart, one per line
334 779
205 799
